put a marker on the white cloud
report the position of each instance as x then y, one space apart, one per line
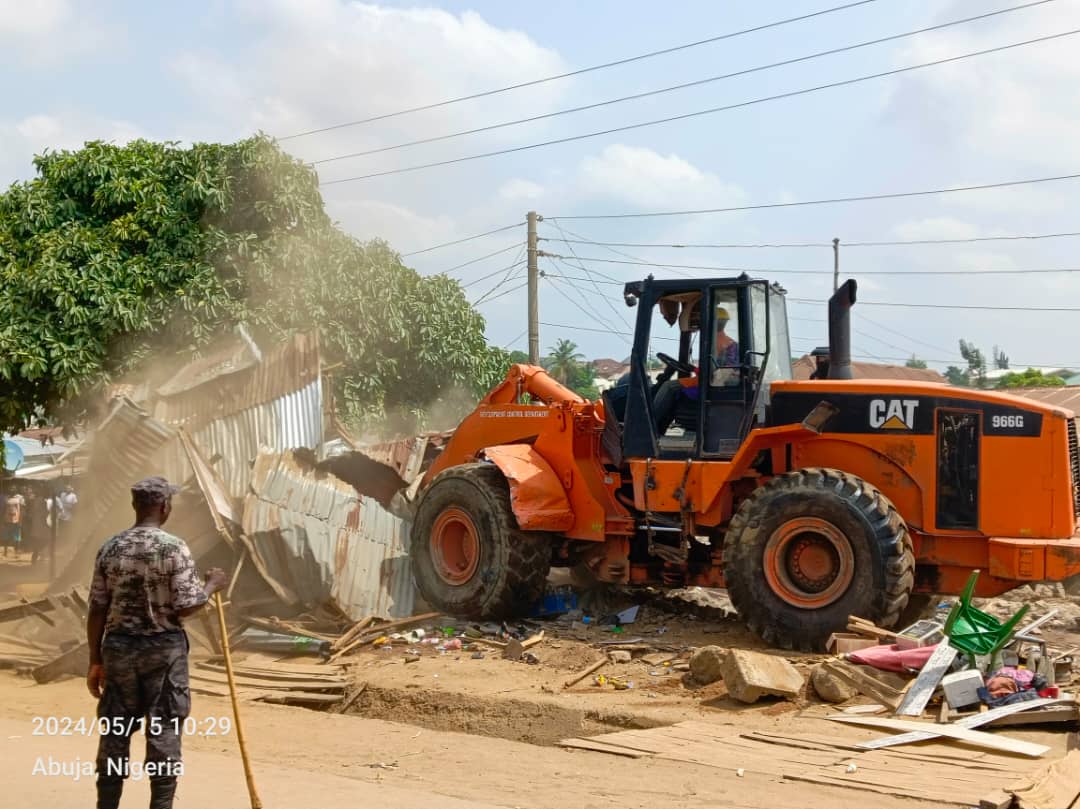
34 134
647 179
22 18
517 190
939 227
1018 105
314 63
51 32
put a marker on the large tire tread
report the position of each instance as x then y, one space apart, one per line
515 562
744 542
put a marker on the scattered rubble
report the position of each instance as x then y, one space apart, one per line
749 676
830 687
706 664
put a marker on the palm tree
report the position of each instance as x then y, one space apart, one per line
563 360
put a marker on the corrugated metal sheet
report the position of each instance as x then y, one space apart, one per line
129 445
317 539
1067 397
276 404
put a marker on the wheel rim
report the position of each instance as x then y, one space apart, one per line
455 546
809 562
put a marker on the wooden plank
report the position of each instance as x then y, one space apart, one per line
941 797
998 799
74 661
17 610
270 674
600 747
301 698
284 628
1056 786
269 685
973 721
966 735
382 630
864 683
347 637
1052 715
918 695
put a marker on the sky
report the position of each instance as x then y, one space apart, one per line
219 71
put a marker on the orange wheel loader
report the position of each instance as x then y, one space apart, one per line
708 465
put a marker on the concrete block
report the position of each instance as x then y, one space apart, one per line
749 676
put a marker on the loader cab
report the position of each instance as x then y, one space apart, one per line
715 346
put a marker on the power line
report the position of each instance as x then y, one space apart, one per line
485 299
481 258
962 241
462 240
698 113
907 337
676 87
953 306
830 201
782 271
1017 363
589 314
579 71
517 263
828 245
596 286
506 346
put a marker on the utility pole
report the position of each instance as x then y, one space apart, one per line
835 264
531 218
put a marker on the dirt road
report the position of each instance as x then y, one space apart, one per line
305 758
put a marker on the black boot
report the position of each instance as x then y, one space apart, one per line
108 792
162 791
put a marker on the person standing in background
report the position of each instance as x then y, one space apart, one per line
12 525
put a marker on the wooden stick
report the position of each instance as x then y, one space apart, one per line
535 639
381 630
248 775
346 638
577 678
236 574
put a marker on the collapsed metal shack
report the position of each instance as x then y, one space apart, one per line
241 430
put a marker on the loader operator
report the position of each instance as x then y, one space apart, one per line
144 584
725 364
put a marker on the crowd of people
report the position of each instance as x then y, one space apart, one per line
26 518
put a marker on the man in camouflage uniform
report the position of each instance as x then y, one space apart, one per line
144 584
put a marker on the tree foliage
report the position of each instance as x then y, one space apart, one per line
915 362
976 370
1001 359
563 360
113 256
1031 378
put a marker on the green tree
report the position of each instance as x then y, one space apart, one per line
1001 359
116 256
915 362
564 360
976 370
519 358
957 376
1031 378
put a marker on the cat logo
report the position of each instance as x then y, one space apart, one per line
893 414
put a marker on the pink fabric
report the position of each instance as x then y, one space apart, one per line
893 658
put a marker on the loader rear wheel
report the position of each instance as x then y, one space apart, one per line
812 547
469 557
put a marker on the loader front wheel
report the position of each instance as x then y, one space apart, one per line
812 547
469 557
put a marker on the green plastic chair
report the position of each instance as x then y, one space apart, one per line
973 631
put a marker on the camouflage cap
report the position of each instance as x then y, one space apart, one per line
153 489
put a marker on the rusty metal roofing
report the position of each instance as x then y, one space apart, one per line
284 370
1067 397
315 539
273 404
804 366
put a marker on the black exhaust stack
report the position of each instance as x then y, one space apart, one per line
840 330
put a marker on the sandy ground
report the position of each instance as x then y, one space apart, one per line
304 758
